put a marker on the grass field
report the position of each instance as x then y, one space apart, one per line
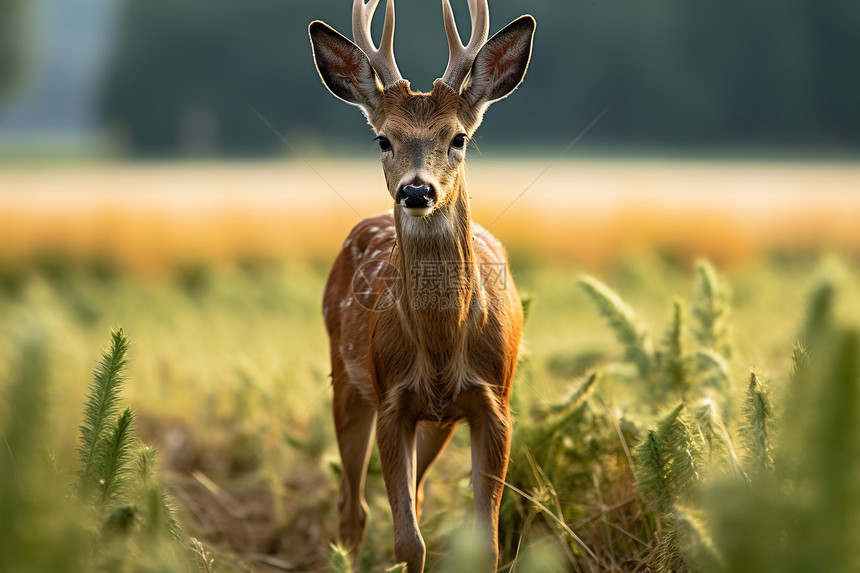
215 273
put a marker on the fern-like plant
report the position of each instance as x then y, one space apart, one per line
800 362
687 541
630 332
122 519
758 415
100 414
668 461
137 521
712 310
802 515
674 360
715 437
676 369
114 466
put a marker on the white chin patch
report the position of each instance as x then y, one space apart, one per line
417 211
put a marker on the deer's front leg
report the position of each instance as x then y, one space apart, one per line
491 445
396 439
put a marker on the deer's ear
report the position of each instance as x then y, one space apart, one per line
501 64
344 68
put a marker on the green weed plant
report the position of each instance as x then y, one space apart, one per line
109 514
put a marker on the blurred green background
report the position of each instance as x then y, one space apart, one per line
162 77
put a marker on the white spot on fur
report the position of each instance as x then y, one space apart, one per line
374 253
346 302
373 229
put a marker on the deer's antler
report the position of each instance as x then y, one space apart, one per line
382 58
461 57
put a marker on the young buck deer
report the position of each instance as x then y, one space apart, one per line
441 345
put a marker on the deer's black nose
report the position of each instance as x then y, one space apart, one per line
416 196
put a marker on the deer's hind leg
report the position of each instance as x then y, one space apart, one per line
490 428
354 419
430 442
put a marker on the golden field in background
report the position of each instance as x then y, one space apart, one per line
149 215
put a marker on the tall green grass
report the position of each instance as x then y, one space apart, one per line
110 513
641 444
698 475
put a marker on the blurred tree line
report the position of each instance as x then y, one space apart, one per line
188 75
12 45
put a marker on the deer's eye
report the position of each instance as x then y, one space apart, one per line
459 141
384 143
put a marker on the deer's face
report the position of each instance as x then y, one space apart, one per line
423 136
422 141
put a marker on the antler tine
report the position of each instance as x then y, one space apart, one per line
382 58
461 57
473 5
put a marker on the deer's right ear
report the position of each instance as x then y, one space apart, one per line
344 68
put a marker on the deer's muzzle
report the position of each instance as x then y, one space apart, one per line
417 200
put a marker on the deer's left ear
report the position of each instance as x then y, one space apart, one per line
500 65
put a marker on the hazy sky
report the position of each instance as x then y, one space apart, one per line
70 41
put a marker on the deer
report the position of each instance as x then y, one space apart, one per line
430 353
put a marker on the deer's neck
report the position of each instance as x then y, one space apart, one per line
437 262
